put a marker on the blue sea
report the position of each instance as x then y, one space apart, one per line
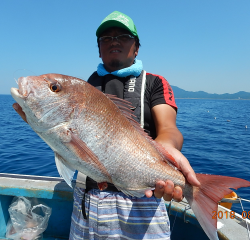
216 141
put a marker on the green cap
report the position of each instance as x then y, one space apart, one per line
117 19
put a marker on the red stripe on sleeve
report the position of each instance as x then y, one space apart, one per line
167 91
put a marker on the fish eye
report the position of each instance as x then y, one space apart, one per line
55 87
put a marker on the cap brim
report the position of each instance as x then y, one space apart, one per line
109 24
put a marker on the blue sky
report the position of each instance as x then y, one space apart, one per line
195 44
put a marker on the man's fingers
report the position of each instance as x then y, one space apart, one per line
189 173
172 192
177 196
159 189
191 178
185 166
168 190
148 193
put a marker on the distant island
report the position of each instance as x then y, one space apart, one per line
180 93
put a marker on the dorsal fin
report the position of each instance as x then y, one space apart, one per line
125 108
117 100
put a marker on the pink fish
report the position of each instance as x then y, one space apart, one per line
95 134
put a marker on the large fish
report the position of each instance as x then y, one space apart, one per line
95 134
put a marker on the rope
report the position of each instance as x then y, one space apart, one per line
174 218
244 199
245 219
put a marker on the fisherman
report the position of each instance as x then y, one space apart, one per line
110 214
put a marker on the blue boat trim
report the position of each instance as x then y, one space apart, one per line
8 175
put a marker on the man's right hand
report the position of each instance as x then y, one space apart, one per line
19 110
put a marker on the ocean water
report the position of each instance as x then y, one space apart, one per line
216 141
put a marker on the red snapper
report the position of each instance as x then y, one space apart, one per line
95 134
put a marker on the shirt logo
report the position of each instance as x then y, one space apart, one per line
131 85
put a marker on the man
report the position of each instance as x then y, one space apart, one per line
110 214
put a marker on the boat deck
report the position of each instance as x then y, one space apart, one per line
55 193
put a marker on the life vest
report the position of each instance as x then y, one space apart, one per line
134 90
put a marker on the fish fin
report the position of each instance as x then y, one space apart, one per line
167 157
82 150
135 192
125 108
102 186
204 199
119 101
65 171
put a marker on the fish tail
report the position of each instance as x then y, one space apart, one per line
204 199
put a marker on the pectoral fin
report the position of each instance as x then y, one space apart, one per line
65 171
82 151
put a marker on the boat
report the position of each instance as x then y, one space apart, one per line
52 191
185 226
55 193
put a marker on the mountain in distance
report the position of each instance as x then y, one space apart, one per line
180 93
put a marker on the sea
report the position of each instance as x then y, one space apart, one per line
216 141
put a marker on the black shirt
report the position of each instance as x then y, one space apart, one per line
158 91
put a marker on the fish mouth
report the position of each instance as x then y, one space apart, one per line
16 95
20 93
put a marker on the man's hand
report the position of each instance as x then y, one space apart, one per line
167 189
171 139
19 110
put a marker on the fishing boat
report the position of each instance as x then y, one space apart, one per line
55 193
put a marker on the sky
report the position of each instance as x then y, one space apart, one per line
197 45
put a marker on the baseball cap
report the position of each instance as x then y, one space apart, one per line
117 19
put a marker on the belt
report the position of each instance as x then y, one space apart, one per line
91 184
